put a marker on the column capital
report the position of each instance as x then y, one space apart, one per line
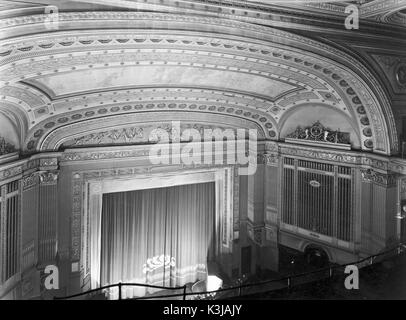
30 180
48 177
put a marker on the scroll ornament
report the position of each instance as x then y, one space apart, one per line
317 132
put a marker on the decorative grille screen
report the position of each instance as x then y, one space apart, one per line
9 227
318 197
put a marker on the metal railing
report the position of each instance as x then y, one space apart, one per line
244 289
120 285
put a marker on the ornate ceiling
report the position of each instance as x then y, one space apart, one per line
387 11
107 70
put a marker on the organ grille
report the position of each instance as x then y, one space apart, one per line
10 230
318 197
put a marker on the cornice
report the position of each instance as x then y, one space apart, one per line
51 162
381 165
17 169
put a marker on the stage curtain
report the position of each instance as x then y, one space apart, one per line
159 236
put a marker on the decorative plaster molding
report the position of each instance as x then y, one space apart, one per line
272 152
394 68
9 157
385 179
379 7
271 233
30 181
383 142
271 159
272 146
272 149
254 113
260 12
48 163
258 235
11 172
321 155
48 177
102 155
27 166
77 203
137 134
256 232
155 119
317 132
22 93
397 18
40 177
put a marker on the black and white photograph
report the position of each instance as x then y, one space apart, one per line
202 155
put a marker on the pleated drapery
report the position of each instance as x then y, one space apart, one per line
157 236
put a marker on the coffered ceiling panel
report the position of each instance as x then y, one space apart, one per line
82 81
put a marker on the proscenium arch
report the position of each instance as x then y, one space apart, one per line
152 120
298 54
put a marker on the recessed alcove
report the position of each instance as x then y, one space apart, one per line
308 114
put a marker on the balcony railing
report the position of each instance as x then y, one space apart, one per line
245 289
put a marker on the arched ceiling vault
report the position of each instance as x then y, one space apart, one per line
114 68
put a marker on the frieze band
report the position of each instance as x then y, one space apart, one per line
384 179
40 177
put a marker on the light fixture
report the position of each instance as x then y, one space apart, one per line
400 216
214 283
210 285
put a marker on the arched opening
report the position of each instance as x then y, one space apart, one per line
316 257
306 115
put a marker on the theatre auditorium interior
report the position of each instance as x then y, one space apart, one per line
111 186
